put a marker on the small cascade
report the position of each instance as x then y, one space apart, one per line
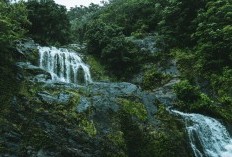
63 65
208 137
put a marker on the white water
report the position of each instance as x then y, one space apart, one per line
208 137
63 65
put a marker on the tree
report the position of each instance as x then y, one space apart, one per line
176 26
13 19
107 42
214 36
50 22
79 18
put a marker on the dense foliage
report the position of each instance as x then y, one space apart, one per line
13 19
195 34
50 22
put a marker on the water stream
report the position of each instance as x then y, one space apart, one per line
208 137
64 65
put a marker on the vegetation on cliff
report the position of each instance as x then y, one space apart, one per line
195 34
39 119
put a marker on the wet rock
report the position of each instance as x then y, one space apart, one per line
105 97
166 94
42 78
83 105
105 103
113 89
149 103
27 70
64 98
61 98
62 85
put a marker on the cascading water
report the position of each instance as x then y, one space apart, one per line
63 65
208 137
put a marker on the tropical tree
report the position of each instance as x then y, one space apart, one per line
214 36
50 22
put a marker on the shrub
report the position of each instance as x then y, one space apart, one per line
186 92
153 78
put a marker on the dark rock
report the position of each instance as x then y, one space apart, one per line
113 89
61 98
149 103
166 94
46 153
105 103
31 68
42 78
62 85
13 136
147 44
64 98
27 70
47 98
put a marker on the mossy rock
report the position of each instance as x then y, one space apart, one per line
154 79
98 71
133 108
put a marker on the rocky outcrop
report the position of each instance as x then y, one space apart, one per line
28 71
55 119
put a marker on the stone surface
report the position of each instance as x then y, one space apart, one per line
61 98
146 44
55 119
113 89
165 94
27 70
83 104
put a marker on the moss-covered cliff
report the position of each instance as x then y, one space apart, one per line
101 119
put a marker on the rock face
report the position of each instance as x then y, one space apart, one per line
55 119
166 94
31 72
147 44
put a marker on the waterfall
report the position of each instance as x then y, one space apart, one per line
208 137
63 65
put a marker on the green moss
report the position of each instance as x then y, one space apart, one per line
88 126
75 97
168 138
191 99
98 71
117 138
133 108
153 79
185 62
